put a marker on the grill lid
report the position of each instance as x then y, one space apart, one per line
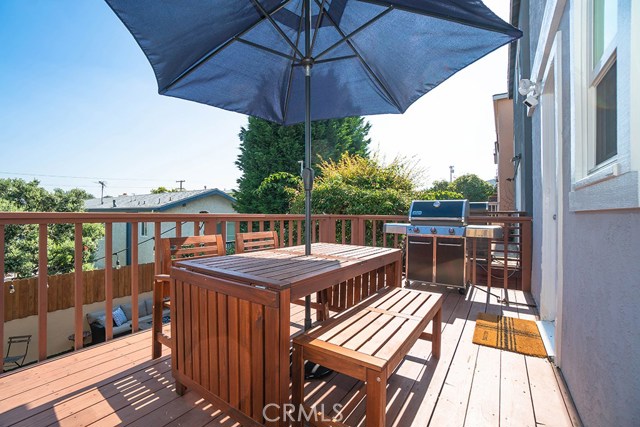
451 211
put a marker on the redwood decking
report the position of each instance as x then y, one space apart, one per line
118 384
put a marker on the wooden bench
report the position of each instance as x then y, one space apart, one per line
368 342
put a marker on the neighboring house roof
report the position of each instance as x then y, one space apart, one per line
151 202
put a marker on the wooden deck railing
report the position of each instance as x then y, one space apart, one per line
361 229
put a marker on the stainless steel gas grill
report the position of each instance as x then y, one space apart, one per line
436 241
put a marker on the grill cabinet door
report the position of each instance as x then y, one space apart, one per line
450 261
420 259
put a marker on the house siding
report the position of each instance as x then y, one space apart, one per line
600 339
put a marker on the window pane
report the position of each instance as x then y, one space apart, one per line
605 26
606 116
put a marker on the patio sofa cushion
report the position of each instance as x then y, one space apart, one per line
119 317
97 318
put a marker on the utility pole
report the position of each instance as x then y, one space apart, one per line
102 185
451 173
180 181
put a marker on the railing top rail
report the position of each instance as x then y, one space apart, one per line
111 217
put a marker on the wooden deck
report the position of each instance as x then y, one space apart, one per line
117 384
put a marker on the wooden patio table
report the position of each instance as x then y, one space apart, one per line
231 319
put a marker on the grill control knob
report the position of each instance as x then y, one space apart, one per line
452 231
416 230
434 230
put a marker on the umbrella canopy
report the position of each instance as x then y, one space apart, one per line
368 56
256 56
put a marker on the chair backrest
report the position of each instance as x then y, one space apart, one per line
258 241
179 248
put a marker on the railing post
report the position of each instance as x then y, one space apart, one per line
360 234
108 280
2 294
42 292
525 248
134 277
78 286
210 227
327 230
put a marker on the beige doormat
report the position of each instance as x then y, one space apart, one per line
509 333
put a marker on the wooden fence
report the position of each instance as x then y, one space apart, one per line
23 301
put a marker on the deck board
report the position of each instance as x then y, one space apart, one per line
117 383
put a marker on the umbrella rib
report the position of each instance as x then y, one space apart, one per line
318 22
337 58
354 32
218 49
435 15
277 27
368 69
266 49
290 80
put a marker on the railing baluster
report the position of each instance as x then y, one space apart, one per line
178 228
134 277
42 292
2 252
108 280
299 241
196 228
78 286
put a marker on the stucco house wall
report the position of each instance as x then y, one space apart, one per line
599 335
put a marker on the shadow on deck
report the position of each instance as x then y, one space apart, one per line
116 383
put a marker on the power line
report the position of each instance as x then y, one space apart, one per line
79 177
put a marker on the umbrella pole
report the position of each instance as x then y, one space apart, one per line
308 172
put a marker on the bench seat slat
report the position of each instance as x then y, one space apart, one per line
389 330
369 331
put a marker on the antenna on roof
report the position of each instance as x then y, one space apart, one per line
102 185
180 181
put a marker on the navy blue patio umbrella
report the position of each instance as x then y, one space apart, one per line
266 58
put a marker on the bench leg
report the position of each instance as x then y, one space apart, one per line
297 384
376 398
437 334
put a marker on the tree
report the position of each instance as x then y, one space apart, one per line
363 186
472 188
161 190
277 192
17 195
267 148
440 185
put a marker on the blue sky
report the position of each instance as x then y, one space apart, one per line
79 103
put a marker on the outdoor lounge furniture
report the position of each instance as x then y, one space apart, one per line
175 249
17 359
96 320
368 342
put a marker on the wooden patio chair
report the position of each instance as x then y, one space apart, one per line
172 250
258 241
17 359
262 240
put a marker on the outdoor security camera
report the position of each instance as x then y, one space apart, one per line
531 101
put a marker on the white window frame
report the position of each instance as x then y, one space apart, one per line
613 184
144 229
